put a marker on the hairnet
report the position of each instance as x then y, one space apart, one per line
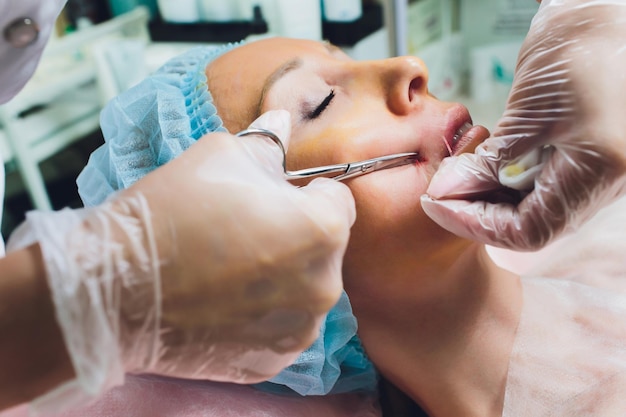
155 121
151 123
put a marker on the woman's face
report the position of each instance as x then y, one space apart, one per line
342 111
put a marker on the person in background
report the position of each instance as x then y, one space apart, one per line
131 286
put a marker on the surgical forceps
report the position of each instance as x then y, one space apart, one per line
343 171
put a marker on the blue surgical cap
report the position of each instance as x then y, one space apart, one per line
154 122
151 123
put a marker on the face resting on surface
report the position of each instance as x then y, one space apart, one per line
344 110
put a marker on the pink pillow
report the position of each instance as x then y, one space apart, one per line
153 396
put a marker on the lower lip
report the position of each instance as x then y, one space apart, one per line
470 139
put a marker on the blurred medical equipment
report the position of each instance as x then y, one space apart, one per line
568 94
344 171
341 10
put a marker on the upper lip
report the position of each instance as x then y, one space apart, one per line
459 120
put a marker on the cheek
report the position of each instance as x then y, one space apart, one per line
389 206
307 154
347 132
391 199
329 145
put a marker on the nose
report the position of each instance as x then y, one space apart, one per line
405 80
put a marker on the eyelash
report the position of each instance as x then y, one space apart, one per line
315 113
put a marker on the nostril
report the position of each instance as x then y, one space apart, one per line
416 85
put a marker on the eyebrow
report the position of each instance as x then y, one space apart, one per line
279 73
284 69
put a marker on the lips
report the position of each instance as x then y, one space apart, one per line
461 135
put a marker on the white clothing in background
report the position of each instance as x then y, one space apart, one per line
569 357
25 27
20 50
1 205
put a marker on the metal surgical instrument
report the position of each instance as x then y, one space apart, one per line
343 171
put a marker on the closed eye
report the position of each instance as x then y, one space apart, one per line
314 114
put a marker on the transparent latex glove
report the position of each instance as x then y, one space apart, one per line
211 267
564 117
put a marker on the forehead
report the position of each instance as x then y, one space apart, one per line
237 78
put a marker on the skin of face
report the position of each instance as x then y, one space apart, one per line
345 110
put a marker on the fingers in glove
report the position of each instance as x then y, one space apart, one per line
333 202
501 225
265 150
560 197
466 176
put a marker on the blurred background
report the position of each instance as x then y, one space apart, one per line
102 47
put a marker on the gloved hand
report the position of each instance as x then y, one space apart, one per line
210 267
565 116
